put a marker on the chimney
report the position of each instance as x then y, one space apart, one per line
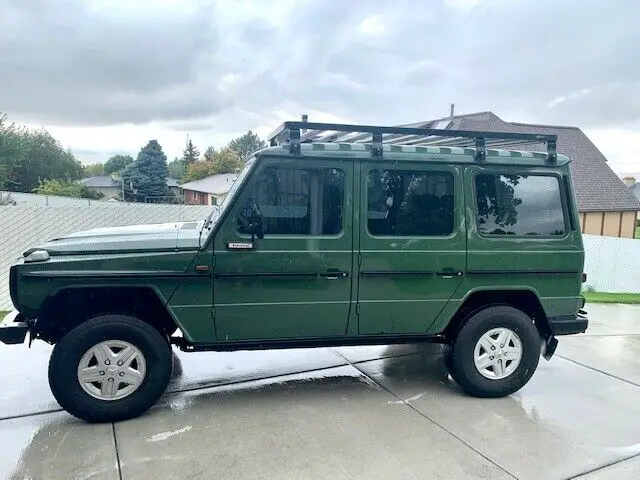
452 109
629 181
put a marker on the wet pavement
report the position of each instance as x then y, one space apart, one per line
344 413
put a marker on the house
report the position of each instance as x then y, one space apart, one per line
209 190
104 184
111 185
606 205
633 185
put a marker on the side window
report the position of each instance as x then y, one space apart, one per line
408 203
522 205
296 201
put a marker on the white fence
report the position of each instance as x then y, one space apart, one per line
24 226
612 264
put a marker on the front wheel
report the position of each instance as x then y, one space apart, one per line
110 368
495 353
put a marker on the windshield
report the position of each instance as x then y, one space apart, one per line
217 212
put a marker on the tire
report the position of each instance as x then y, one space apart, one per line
504 375
151 366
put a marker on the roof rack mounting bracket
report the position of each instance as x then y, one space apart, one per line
294 141
481 150
376 146
552 151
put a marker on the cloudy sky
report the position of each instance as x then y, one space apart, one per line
105 76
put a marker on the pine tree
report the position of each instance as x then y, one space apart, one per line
146 178
191 153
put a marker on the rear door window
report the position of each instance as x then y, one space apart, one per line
519 205
410 203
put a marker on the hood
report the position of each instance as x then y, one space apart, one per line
155 237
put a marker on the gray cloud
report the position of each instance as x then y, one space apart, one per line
65 63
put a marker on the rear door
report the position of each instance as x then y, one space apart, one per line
296 282
412 244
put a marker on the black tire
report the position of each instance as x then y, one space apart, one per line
66 356
459 359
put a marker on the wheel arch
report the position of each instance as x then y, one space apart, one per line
525 299
71 306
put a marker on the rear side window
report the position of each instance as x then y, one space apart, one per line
409 203
296 201
520 205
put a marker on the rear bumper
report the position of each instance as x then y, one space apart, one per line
569 325
13 332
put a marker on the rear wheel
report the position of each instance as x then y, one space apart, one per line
495 353
110 368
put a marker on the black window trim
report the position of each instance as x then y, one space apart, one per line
508 171
409 167
287 236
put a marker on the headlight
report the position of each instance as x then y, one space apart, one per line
37 256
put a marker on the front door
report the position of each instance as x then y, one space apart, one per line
412 245
296 282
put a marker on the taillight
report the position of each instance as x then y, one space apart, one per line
584 277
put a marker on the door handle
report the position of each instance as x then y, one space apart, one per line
334 274
449 273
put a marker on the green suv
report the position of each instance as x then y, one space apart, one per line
333 235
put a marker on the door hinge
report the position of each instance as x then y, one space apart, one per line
357 309
359 259
213 312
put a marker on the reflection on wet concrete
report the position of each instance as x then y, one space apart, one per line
324 424
567 420
56 446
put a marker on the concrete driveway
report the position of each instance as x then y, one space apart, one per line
344 413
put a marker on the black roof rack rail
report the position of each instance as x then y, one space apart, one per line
294 133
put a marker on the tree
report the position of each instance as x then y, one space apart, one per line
28 156
117 163
67 189
246 144
209 154
224 161
146 178
93 170
191 154
177 168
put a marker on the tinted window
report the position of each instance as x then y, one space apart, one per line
296 201
519 205
404 202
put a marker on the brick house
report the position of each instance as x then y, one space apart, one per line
210 190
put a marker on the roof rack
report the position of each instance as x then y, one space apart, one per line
295 133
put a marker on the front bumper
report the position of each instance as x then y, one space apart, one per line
13 332
570 324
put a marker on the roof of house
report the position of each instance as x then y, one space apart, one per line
217 184
101 181
107 181
597 188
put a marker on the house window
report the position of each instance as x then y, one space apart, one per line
520 205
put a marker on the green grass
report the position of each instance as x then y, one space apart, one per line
637 234
606 297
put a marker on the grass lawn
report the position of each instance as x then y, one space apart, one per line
637 235
605 297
